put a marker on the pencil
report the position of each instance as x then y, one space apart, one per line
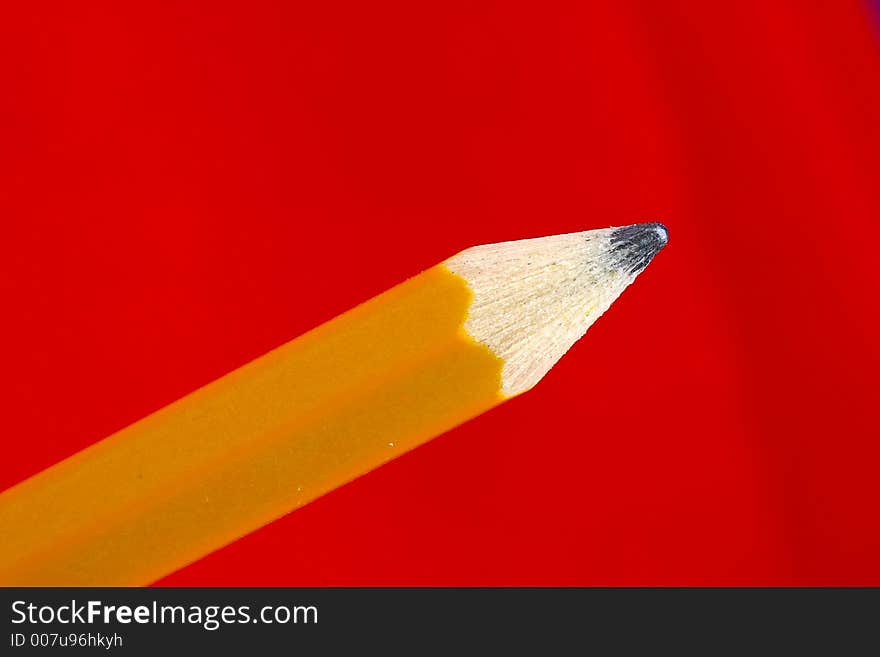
442 347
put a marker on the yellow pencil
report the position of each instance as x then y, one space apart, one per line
313 414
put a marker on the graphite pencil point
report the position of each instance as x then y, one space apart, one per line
635 246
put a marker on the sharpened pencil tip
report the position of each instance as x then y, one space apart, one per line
633 247
662 231
534 298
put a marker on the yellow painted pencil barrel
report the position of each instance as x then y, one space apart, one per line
276 433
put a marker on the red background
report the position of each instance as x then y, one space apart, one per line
185 185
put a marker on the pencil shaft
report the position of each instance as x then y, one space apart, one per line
255 444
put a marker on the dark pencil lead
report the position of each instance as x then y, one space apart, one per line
633 247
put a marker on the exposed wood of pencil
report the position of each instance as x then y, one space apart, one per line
309 416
